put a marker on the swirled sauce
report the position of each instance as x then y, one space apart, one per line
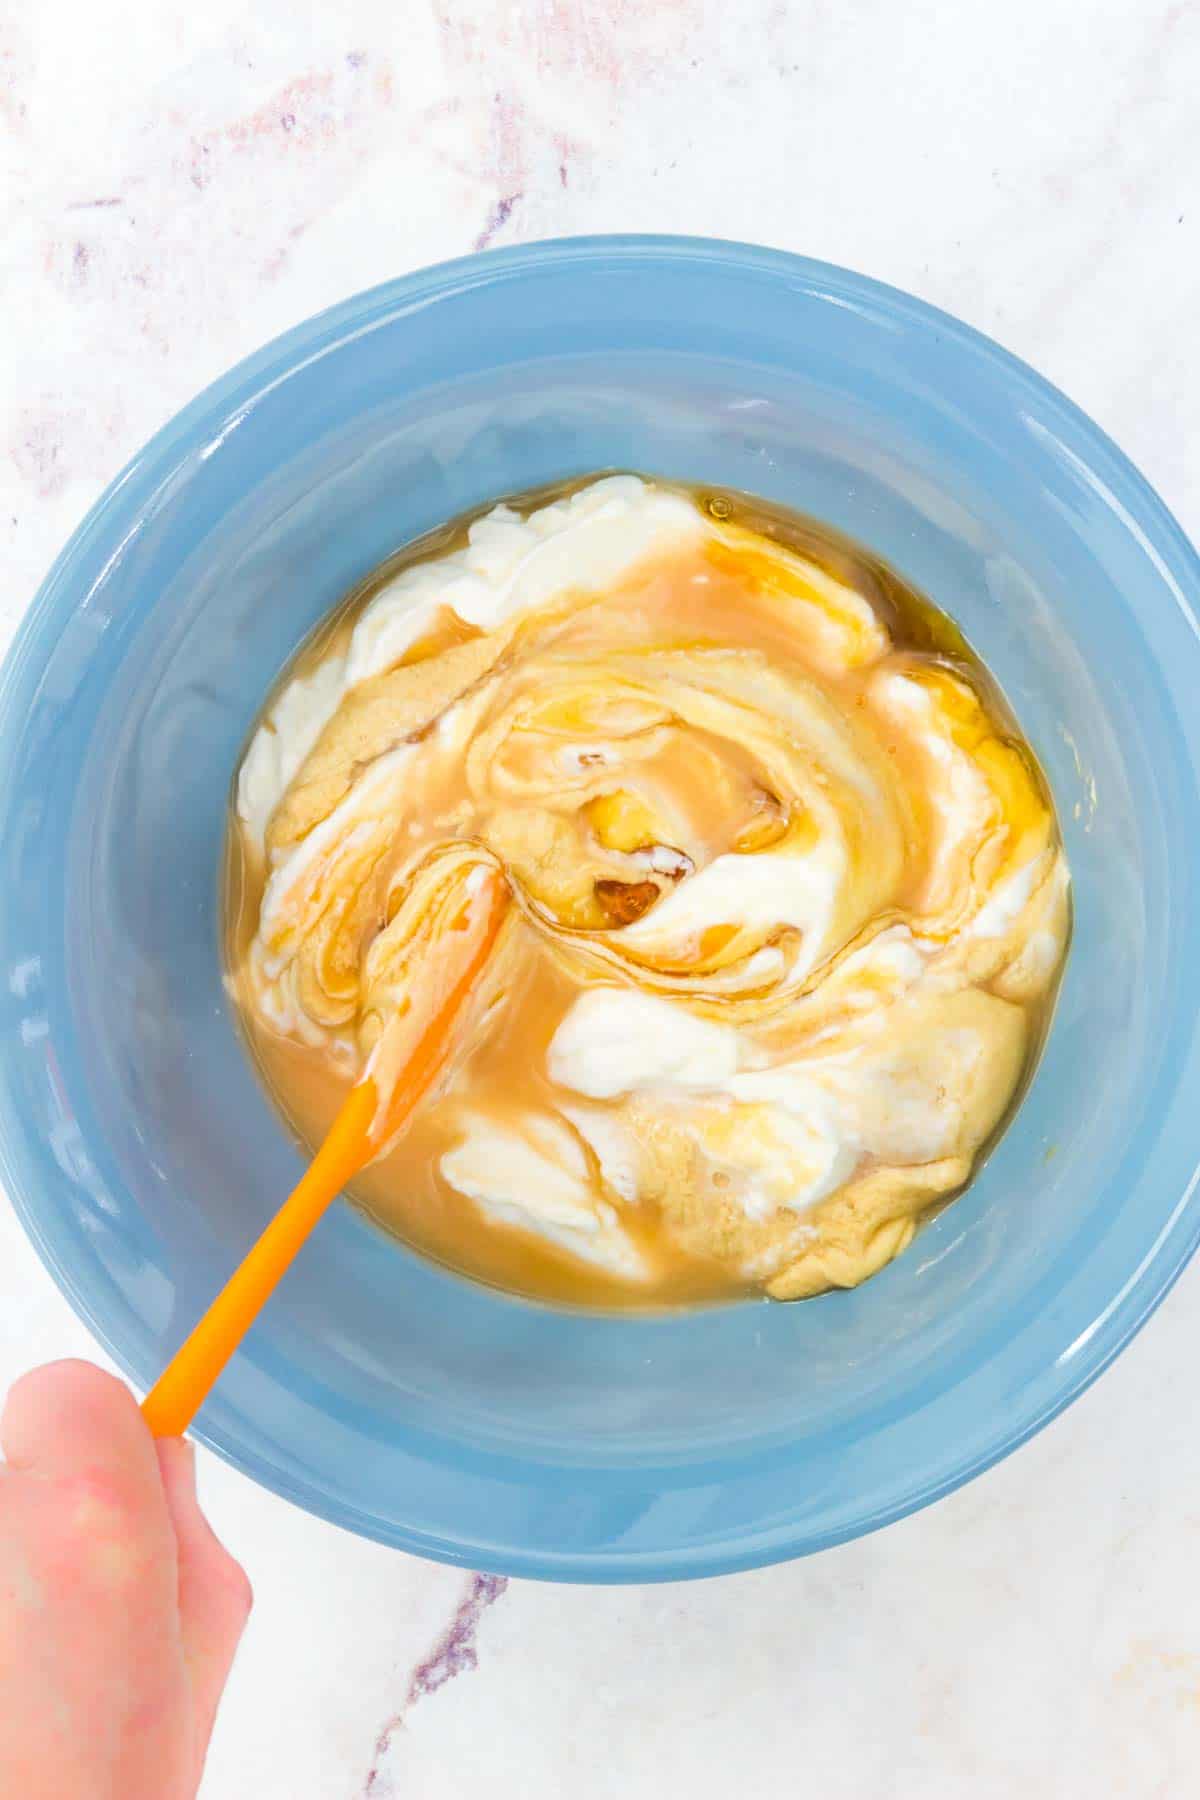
791 900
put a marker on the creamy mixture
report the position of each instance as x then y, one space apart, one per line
790 901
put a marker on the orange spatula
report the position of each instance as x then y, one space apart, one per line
404 1065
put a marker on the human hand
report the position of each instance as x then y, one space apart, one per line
119 1610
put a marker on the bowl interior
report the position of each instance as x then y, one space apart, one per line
385 1392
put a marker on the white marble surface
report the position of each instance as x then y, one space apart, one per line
179 183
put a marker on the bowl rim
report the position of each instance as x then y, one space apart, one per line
237 391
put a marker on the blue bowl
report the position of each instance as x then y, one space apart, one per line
378 1390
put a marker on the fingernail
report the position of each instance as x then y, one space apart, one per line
178 1456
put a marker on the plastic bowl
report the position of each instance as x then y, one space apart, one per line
378 1390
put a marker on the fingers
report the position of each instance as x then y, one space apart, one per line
214 1593
70 1419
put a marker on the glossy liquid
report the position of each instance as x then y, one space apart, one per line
698 601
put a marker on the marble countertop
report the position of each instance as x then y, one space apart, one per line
180 184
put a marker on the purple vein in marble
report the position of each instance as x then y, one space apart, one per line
453 1654
497 219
